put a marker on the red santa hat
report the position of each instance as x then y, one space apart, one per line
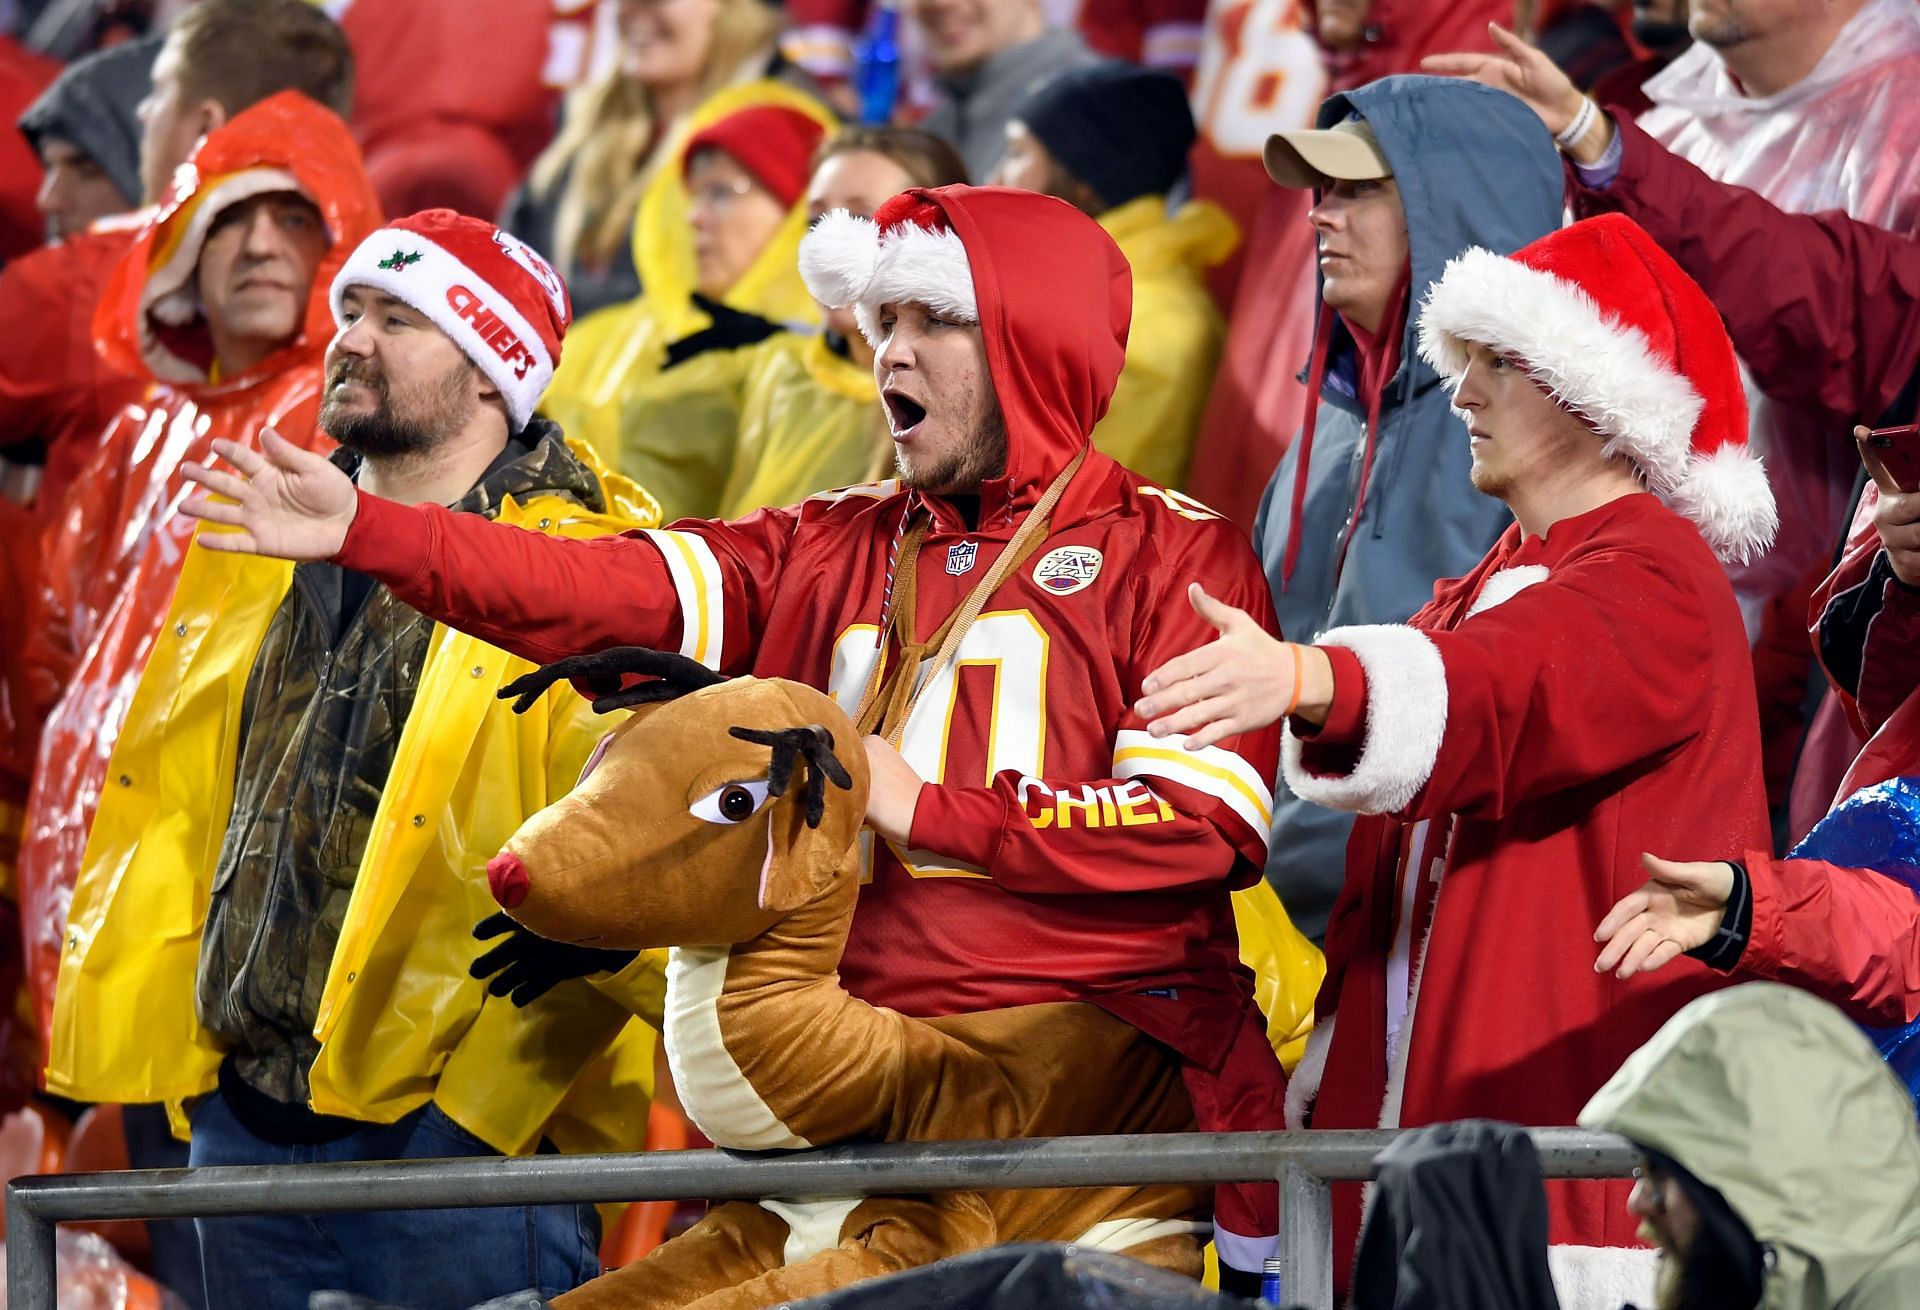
1617 332
500 302
907 253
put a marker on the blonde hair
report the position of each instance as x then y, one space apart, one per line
607 147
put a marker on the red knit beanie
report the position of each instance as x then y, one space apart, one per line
772 142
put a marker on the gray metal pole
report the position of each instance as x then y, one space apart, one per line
1306 1239
31 1280
829 1171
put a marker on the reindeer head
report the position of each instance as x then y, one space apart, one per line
718 808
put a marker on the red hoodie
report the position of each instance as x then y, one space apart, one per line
114 554
1059 852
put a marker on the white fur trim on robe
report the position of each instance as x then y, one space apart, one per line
1304 1086
1603 1277
1503 585
1406 719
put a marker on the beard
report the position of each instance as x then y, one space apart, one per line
1722 32
1489 483
424 416
964 470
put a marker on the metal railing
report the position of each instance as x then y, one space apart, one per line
1302 1163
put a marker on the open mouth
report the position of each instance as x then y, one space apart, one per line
904 413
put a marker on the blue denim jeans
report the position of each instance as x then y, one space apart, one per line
421 1259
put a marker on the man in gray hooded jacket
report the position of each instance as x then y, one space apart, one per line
86 133
1372 503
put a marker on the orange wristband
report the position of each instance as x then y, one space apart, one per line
1299 680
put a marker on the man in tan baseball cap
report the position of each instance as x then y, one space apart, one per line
1372 501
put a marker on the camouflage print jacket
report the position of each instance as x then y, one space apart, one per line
325 704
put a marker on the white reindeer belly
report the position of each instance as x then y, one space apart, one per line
717 1096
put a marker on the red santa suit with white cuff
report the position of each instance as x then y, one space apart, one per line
1574 701
1062 853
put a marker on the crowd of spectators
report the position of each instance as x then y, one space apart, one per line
246 805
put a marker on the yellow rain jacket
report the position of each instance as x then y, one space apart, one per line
732 431
810 420
614 351
1174 345
400 1022
1287 969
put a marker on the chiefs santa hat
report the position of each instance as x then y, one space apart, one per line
500 302
1605 320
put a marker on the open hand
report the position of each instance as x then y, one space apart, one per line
893 791
1678 909
1524 73
1242 680
285 502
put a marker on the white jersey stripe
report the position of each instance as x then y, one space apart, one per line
697 583
1218 773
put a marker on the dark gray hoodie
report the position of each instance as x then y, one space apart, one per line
94 105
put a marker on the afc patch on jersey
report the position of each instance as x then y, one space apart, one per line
1068 569
960 557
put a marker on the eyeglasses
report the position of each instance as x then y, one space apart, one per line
719 196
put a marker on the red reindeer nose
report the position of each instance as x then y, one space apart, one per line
507 878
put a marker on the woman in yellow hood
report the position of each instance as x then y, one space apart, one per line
612 352
773 422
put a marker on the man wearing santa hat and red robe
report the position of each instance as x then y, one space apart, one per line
1581 696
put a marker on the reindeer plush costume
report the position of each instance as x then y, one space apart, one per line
727 813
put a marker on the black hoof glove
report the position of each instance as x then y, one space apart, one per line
527 965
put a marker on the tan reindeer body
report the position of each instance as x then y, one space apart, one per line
768 1051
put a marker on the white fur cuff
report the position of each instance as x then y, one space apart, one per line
1406 718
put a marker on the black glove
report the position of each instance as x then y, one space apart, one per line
528 965
730 329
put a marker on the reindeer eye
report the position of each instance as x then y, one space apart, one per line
735 802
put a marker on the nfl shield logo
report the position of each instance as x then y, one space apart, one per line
960 557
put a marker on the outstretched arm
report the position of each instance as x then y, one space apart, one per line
1851 936
541 597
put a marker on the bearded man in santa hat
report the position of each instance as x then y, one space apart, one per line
1581 696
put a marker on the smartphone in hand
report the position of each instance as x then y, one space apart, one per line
1892 456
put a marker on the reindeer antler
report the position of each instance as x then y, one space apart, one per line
674 676
814 744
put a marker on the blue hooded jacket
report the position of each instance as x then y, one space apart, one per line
1474 167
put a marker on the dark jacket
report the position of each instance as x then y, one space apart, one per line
1490 178
1458 1222
973 111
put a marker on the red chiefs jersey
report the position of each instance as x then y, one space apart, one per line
1063 853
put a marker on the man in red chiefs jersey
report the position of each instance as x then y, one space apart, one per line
1031 841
